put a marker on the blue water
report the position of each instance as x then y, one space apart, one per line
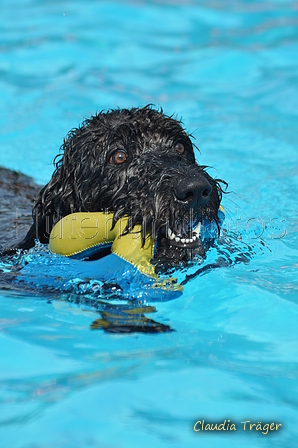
230 70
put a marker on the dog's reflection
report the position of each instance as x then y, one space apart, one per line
125 319
118 314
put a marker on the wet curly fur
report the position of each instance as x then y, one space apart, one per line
144 187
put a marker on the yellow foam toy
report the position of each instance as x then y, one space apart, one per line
76 233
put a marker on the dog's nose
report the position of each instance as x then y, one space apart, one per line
193 191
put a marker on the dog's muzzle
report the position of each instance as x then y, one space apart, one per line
191 194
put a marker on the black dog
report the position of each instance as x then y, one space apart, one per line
136 162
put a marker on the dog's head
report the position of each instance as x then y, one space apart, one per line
136 162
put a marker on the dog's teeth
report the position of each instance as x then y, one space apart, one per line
198 228
171 235
177 239
183 240
187 240
191 240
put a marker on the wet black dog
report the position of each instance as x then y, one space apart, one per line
136 162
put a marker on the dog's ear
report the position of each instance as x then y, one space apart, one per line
77 178
76 182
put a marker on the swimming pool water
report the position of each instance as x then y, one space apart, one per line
230 70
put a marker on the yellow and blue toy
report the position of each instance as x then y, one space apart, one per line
82 234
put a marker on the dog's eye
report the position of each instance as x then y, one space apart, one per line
179 147
118 157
